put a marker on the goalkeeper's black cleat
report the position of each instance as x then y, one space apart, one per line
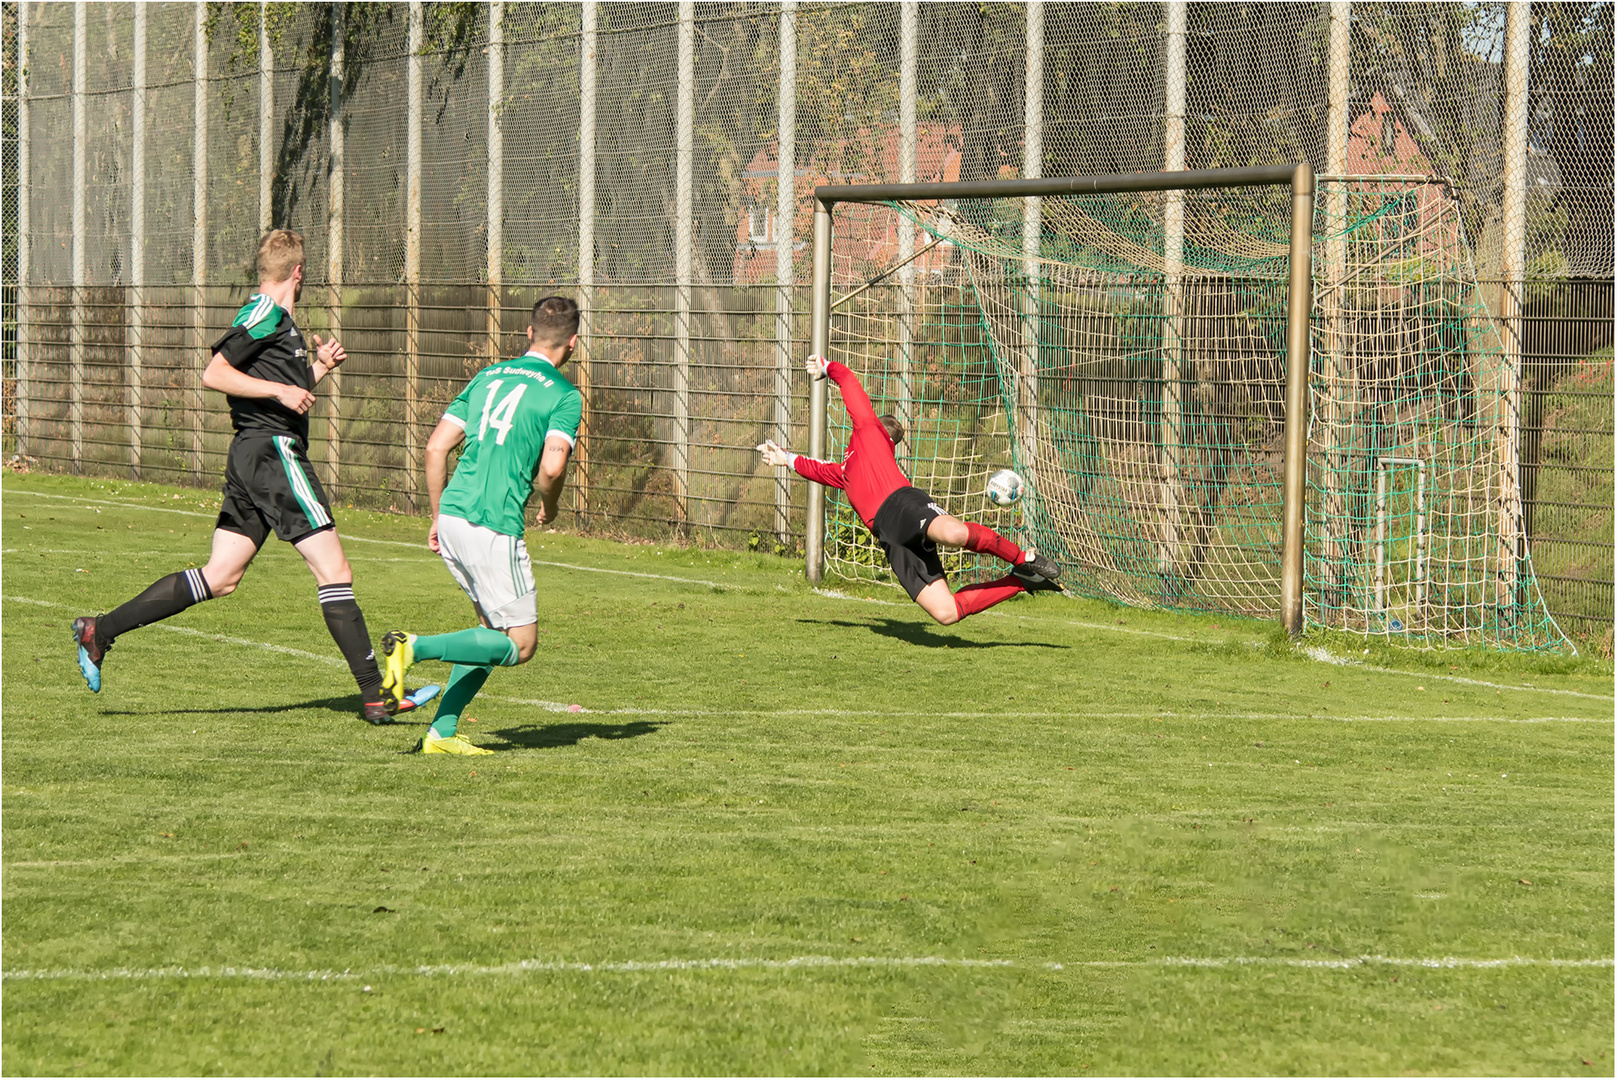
91 652
1034 582
1042 565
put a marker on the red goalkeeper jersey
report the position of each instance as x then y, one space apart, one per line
869 471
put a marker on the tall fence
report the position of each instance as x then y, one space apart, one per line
449 163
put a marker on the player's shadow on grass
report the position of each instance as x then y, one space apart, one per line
919 634
571 733
344 706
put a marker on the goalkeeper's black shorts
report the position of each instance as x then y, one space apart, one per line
900 528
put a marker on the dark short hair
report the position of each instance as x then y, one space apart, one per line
555 319
895 430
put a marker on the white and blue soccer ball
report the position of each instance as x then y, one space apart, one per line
1004 488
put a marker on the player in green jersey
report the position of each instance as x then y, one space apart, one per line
519 419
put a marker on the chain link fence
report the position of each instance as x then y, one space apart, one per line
449 163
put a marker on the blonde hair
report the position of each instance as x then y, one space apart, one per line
279 253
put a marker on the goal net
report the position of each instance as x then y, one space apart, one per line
1125 353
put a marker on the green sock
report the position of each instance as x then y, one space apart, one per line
464 683
479 645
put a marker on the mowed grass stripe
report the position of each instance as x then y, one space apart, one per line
608 967
1315 653
1019 714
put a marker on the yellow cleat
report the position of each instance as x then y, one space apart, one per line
399 650
455 744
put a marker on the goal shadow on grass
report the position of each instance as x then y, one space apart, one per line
922 635
571 733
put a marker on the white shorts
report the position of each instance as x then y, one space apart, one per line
491 568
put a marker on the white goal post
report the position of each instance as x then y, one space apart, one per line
1299 179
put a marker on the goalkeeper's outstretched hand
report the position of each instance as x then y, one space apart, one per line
817 366
774 455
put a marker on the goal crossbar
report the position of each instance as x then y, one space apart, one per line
1299 178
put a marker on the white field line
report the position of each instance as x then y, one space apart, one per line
109 502
1046 714
796 963
186 630
417 545
1067 714
1312 652
81 551
1325 656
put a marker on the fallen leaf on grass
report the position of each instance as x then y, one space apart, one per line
166 835
379 910
1523 881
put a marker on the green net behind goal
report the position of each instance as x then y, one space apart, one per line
1126 355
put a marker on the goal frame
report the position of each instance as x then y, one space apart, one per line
1299 306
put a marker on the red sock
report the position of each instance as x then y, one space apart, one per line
981 538
975 598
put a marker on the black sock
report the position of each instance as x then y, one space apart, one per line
162 598
347 626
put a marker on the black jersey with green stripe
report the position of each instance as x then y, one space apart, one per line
264 343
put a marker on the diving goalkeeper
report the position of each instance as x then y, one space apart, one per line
903 518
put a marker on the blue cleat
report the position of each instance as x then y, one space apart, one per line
383 711
90 653
417 698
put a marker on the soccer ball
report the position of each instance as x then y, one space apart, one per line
1004 488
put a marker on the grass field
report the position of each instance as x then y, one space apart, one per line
793 831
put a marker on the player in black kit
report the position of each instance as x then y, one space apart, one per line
267 372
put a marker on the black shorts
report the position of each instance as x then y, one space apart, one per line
269 484
900 528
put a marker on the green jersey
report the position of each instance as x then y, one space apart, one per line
507 412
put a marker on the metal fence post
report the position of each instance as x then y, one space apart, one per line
24 236
1170 555
1027 382
1507 408
199 234
684 244
909 54
266 120
1337 399
412 256
586 243
785 269
137 247
335 240
496 171
77 284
